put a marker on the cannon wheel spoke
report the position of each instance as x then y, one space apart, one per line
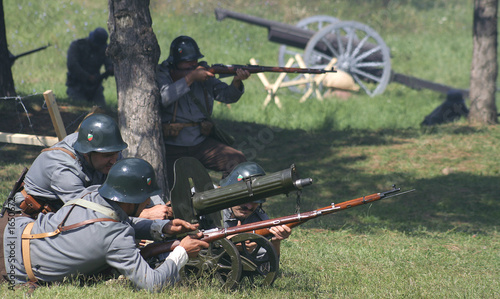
313 23
221 260
260 266
360 51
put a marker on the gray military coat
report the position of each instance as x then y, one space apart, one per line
89 249
187 110
58 177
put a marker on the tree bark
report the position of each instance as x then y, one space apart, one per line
6 79
484 68
135 52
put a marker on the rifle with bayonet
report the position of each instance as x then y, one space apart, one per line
262 227
13 57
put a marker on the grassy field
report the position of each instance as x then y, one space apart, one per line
441 241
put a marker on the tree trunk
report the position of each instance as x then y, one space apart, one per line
135 53
6 80
484 68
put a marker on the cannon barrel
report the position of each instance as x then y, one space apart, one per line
277 32
293 36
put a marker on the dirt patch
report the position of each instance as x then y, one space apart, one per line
31 116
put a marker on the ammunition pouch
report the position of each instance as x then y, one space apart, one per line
206 127
174 129
33 206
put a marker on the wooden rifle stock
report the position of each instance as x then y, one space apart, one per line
262 227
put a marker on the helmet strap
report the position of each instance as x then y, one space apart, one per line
89 157
136 208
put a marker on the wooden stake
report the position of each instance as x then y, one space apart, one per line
55 115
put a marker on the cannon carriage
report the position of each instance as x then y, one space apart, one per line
352 47
195 199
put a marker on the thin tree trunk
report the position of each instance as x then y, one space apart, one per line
484 68
6 79
135 53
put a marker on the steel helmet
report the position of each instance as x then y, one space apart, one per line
99 36
183 48
99 133
241 172
130 180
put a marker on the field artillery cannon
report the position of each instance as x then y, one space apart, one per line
359 50
195 199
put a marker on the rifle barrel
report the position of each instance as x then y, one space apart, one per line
15 57
262 227
231 69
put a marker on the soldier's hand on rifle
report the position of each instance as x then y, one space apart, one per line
198 74
280 232
157 212
192 245
241 75
179 226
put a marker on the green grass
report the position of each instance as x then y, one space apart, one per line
441 241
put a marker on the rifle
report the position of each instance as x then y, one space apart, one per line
16 188
13 57
262 227
229 70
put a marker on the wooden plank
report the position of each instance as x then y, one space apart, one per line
38 140
55 115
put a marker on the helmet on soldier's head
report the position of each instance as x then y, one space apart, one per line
130 180
99 133
99 36
183 48
242 172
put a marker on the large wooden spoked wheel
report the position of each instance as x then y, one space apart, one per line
359 50
314 23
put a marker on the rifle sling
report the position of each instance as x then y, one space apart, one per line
61 149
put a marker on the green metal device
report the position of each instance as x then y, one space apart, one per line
194 194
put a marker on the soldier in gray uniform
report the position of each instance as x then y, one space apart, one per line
60 173
85 58
95 232
188 92
252 211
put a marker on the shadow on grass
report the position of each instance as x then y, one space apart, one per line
456 202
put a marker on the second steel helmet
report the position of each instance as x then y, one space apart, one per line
99 36
99 133
130 180
241 172
183 48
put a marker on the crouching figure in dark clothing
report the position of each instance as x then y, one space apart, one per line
85 58
451 110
